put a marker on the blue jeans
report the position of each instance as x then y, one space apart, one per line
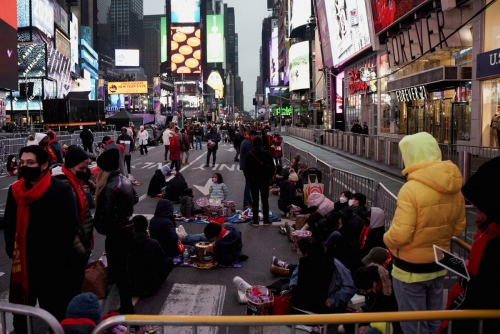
195 238
421 296
198 141
247 194
214 156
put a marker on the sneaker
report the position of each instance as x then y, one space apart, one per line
256 224
268 223
282 229
341 329
206 165
181 232
213 166
241 284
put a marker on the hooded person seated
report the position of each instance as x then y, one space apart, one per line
83 314
374 233
162 227
226 238
148 266
157 182
380 256
374 282
175 188
357 204
319 203
288 194
187 203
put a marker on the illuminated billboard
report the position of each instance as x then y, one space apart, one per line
300 13
73 34
326 46
42 16
185 46
63 44
127 57
385 13
185 11
299 66
8 45
128 87
32 59
58 67
215 39
60 17
215 81
274 76
348 27
164 39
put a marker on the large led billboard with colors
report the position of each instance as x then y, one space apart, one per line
299 66
324 33
274 79
185 46
185 11
385 13
42 16
164 39
128 87
215 39
74 37
8 45
300 13
125 57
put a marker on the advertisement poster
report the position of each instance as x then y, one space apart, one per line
164 39
42 16
348 27
300 14
299 66
31 60
8 45
185 11
63 44
339 93
59 69
127 57
73 31
60 17
128 87
215 81
326 47
215 39
86 34
386 12
186 50
274 76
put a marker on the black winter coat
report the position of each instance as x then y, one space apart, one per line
228 248
175 188
57 148
86 136
187 206
259 166
237 141
162 228
216 138
287 193
157 182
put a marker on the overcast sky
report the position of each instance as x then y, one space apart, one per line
248 15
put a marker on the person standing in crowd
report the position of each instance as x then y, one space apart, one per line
237 139
127 142
175 151
259 172
356 128
246 146
31 238
198 133
276 149
166 141
162 227
266 139
364 130
43 141
143 137
55 146
430 210
109 144
115 198
184 147
190 133
213 139
87 139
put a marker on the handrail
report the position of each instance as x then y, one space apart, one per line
30 311
461 243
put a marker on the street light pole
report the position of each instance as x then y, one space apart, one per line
27 102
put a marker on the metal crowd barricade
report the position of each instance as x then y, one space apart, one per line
342 181
229 324
30 312
311 160
325 170
387 201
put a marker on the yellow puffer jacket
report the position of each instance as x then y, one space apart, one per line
430 207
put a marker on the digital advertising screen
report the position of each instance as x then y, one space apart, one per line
60 17
385 12
185 46
73 31
32 59
299 66
127 57
63 44
8 45
117 101
128 87
42 16
164 39
185 11
274 74
348 26
59 69
324 33
215 39
86 34
300 14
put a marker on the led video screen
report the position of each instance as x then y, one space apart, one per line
8 45
127 57
185 46
385 12
215 39
185 11
299 66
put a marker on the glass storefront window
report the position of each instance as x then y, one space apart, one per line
492 27
491 112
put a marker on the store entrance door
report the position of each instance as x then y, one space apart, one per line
415 119
459 125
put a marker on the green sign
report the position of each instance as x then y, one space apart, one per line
163 42
215 38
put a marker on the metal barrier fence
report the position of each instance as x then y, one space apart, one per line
225 324
30 312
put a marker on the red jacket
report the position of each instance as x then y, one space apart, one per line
175 148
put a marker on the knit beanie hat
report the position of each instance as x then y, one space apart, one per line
109 160
481 189
165 169
85 305
39 136
293 176
74 156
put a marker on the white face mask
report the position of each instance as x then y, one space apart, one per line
343 199
351 201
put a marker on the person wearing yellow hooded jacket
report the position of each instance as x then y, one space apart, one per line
430 210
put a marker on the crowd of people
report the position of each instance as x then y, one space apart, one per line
347 250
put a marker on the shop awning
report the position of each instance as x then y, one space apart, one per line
440 78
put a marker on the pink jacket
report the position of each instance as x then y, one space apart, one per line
324 204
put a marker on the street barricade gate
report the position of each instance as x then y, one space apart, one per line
30 312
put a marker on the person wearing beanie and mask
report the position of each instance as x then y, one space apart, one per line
213 139
158 181
143 138
430 210
115 198
82 315
74 172
480 293
288 194
41 221
246 146
259 172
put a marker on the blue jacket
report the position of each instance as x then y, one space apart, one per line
246 146
218 191
342 287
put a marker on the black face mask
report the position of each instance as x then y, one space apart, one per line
44 143
83 175
30 174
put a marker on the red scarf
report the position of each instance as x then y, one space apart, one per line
249 138
23 197
77 185
49 150
221 234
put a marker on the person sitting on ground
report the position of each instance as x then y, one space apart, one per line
317 202
162 227
226 238
218 189
294 163
357 204
343 202
375 235
374 282
380 256
148 266
83 314
187 203
157 182
175 188
288 194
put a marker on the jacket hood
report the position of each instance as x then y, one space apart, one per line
442 176
164 208
419 148
315 199
39 136
377 218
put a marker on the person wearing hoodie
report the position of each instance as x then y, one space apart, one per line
430 210
157 182
175 188
162 227
43 141
147 262
319 201
109 144
187 203
373 234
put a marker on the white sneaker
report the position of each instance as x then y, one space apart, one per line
341 329
240 284
181 232
242 299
